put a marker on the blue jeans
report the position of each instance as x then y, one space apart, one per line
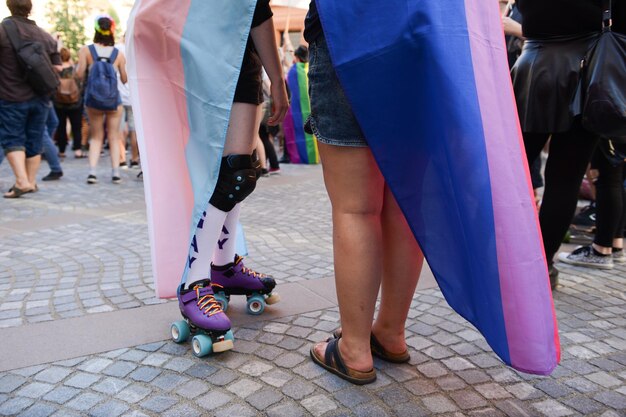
50 151
22 125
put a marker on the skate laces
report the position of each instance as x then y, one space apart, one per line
249 272
207 303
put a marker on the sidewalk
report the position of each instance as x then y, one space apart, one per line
83 334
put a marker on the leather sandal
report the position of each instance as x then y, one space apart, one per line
333 362
380 352
15 192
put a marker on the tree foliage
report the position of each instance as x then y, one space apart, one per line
68 17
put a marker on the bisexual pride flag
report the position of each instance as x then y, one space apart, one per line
299 145
429 84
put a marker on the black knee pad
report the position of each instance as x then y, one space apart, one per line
236 181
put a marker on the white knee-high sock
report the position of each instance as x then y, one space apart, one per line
226 244
203 244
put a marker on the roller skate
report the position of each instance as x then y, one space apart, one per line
235 279
203 316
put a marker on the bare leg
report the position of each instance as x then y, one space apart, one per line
17 160
96 129
113 129
134 147
242 128
355 187
402 264
32 167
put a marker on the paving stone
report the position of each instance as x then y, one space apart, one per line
244 387
120 369
145 373
255 368
583 405
318 405
110 386
492 391
473 376
276 378
421 387
192 389
133 394
169 381
286 410
85 401
35 390
264 398
61 394
611 399
203 371
95 366
439 404
554 388
214 399
110 408
38 410
351 397
10 382
183 410
13 406
468 399
432 370
239 410
604 379
451 383
298 389
552 408
53 375
401 373
159 403
289 360
524 391
370 410
223 377
81 380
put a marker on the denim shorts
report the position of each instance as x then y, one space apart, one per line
22 125
332 120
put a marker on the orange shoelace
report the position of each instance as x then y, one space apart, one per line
208 303
251 272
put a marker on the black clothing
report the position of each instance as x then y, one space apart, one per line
250 84
566 165
545 80
610 199
548 18
312 24
13 85
75 116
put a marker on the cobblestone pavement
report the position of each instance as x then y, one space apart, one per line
74 250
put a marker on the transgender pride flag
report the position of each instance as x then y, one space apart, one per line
429 84
430 87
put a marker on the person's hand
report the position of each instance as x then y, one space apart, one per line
511 27
280 103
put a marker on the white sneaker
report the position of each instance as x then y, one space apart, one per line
586 256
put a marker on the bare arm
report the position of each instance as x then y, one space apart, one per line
511 27
265 43
81 69
121 66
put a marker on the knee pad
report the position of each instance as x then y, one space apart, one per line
236 181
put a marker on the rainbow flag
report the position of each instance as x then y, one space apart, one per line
430 87
299 145
184 63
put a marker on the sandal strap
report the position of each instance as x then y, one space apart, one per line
332 353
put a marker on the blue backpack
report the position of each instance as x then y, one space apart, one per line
101 92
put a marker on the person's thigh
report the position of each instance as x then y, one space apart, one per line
13 117
242 129
96 123
113 119
35 126
353 180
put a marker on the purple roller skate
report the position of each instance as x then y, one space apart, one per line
235 279
204 316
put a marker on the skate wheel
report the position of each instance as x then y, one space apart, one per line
256 304
180 331
272 299
229 335
221 298
202 345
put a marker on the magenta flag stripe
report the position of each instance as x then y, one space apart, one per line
533 341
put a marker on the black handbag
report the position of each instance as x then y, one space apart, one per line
604 83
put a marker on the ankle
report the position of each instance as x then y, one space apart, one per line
601 250
357 356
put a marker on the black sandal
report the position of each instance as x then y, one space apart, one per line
380 352
333 363
16 192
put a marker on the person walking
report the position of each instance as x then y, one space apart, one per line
102 98
24 106
68 104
